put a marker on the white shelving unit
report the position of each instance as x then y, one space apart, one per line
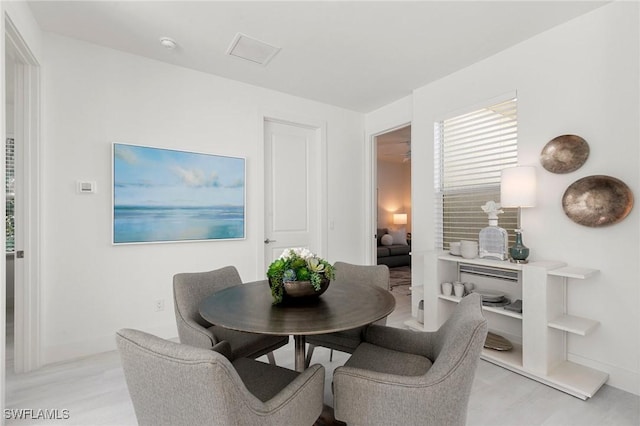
538 334
573 324
500 311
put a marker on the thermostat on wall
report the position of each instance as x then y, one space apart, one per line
86 187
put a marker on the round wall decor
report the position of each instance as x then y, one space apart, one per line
564 154
597 200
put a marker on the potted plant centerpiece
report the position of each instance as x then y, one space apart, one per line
298 273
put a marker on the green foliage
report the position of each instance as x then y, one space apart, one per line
303 274
297 265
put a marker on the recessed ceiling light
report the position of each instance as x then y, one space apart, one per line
251 49
169 43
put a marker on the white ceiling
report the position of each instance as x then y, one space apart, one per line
354 54
395 146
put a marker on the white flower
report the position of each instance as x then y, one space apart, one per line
314 265
298 251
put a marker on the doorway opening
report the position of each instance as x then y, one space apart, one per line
10 78
23 93
393 205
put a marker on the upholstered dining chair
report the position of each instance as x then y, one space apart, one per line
348 340
399 376
175 384
189 289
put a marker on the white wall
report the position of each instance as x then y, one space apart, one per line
581 78
94 96
20 15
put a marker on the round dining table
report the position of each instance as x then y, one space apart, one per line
249 307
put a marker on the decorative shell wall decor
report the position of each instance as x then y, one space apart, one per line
597 200
564 154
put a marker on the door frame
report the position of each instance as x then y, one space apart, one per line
27 270
320 228
371 190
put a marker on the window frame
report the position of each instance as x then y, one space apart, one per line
482 192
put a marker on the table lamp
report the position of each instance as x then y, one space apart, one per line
399 218
518 189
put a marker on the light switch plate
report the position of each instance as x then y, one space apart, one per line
86 187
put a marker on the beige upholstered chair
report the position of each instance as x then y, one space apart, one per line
175 384
348 340
189 289
405 377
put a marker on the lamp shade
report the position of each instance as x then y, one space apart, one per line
399 218
518 187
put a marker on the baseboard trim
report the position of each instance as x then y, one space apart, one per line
105 343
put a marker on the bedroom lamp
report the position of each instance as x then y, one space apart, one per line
399 218
518 189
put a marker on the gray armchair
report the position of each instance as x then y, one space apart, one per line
405 377
189 289
174 384
348 340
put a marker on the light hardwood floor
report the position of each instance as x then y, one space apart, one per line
94 391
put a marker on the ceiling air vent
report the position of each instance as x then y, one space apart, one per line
250 49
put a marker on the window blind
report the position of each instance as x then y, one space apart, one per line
471 150
10 194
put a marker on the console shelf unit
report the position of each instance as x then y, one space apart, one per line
539 333
500 311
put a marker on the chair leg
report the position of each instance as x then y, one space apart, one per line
272 359
331 356
310 349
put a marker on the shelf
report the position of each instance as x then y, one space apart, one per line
499 311
511 360
543 329
450 298
573 272
574 379
573 324
578 380
504 264
502 311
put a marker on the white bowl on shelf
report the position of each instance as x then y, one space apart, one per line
469 249
454 248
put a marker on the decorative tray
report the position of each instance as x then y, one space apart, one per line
497 342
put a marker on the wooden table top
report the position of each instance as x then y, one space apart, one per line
249 307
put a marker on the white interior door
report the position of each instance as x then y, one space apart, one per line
292 192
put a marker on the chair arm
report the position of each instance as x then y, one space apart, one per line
364 397
306 390
397 339
223 347
193 334
300 402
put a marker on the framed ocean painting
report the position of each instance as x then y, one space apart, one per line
164 195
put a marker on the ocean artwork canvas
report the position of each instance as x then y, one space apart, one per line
164 195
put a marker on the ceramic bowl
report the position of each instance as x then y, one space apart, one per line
469 249
454 248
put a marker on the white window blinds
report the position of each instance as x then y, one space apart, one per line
470 152
10 194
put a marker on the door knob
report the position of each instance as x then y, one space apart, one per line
267 241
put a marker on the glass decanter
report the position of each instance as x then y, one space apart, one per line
493 240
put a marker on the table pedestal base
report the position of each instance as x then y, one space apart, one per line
300 343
